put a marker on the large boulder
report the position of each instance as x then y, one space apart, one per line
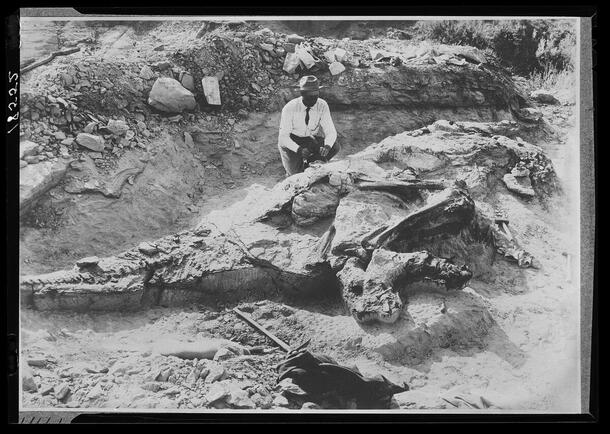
168 95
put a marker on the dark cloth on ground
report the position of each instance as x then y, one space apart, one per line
325 380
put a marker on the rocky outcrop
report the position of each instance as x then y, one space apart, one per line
394 204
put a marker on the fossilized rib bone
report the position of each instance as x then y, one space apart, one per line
449 209
373 294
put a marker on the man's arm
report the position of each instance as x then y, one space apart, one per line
285 128
330 133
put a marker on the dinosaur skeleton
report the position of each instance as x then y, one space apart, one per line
374 250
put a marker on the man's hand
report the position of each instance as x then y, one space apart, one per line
324 150
306 153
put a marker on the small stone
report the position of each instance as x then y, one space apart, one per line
146 73
27 148
217 372
161 66
340 54
88 261
90 141
164 375
95 155
211 90
67 142
117 127
27 380
295 39
96 392
22 164
46 390
159 48
310 406
148 248
217 392
188 81
266 47
543 97
223 354
188 139
60 135
61 391
280 401
291 63
91 126
255 86
239 398
336 68
289 47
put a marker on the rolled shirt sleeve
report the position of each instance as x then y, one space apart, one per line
284 139
330 133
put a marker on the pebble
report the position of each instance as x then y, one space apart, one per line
280 401
61 391
216 372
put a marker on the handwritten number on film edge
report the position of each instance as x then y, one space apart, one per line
13 105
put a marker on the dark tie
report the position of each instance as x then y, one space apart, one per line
307 116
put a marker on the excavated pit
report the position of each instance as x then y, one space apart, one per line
275 250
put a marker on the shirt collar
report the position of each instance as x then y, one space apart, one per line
304 106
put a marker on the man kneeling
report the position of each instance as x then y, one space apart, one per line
307 132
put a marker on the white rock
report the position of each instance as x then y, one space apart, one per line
90 260
211 90
223 354
291 63
340 54
217 392
27 148
146 73
61 391
117 127
217 372
295 39
95 392
90 141
188 139
169 96
336 68
188 81
330 56
305 57
35 180
280 401
239 398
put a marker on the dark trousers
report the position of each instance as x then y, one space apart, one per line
295 163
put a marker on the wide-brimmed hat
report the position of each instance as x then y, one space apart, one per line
309 82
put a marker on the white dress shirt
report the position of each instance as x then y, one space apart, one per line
293 121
